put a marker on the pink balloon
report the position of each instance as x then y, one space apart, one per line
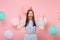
25 8
14 21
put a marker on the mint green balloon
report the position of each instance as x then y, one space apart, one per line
53 30
2 16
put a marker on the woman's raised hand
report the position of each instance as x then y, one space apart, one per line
18 26
42 25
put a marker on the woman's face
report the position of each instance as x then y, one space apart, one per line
30 15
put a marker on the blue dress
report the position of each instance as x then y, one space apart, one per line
30 31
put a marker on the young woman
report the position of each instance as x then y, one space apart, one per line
30 26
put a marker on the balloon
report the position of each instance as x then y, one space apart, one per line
2 16
45 20
8 34
14 21
53 30
25 8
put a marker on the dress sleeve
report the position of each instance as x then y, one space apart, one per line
23 23
37 23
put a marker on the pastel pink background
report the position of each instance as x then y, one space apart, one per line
49 8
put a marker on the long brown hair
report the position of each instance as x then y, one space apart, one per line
27 19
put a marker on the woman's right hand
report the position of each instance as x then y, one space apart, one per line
18 25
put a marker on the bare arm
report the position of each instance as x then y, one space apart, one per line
19 26
42 25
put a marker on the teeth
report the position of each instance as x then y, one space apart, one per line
30 16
